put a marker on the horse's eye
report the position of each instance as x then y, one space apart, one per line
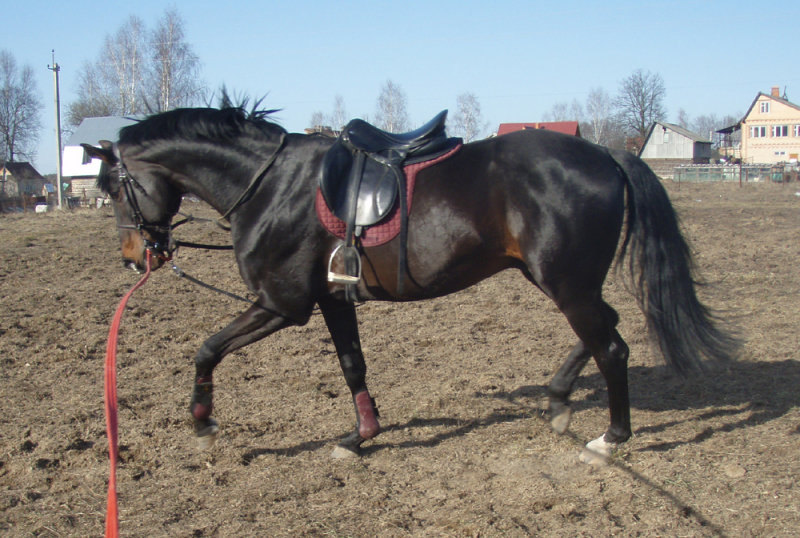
116 193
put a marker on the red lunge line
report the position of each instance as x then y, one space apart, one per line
110 397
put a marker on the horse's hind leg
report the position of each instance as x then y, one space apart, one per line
561 387
340 317
255 323
594 322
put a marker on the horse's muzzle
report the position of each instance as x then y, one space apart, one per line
157 259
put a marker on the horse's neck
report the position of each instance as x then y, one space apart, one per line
219 177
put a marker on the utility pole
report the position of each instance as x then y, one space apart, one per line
55 69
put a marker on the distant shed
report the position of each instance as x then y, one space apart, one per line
667 146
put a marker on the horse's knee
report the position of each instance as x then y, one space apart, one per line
615 359
206 359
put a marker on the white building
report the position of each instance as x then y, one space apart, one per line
77 168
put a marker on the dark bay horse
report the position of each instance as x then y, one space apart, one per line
555 207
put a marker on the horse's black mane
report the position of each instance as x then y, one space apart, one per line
216 124
198 123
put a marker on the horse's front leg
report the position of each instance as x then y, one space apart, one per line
255 323
340 317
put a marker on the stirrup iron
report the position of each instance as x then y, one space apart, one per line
340 278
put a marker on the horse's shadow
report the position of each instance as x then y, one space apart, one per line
753 392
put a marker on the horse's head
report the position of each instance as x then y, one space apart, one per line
144 204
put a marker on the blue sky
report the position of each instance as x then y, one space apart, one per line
519 58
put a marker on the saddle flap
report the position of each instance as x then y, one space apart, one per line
377 194
377 191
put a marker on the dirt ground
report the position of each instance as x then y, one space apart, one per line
460 383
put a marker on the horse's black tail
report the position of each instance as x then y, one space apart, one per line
661 265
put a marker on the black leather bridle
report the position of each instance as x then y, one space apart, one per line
130 186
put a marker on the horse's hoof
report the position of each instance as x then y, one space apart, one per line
341 453
597 452
560 422
207 435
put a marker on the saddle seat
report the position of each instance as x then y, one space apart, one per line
422 141
362 172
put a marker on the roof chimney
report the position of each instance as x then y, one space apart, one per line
776 91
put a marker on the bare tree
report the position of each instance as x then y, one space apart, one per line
468 122
599 123
96 99
564 112
335 121
683 118
705 125
338 117
112 84
317 120
19 110
391 112
122 65
136 74
174 69
641 101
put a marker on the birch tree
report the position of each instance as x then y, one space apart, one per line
599 117
468 122
174 67
20 110
564 111
122 65
338 117
391 114
139 72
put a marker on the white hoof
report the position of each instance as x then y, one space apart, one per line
560 422
207 436
341 453
597 452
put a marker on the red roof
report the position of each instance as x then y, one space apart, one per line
566 127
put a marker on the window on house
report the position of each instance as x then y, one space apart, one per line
780 130
796 131
758 131
765 107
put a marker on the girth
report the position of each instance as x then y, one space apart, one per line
362 180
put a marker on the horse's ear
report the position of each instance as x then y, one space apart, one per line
105 152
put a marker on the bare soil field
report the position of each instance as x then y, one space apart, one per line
460 383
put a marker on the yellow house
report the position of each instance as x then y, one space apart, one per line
770 131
